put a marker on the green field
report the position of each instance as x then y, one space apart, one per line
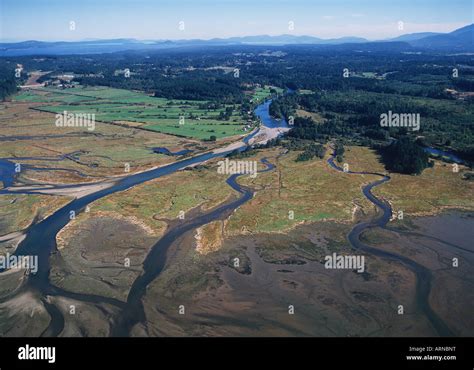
262 93
186 118
36 97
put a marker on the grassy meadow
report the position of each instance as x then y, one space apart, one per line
185 118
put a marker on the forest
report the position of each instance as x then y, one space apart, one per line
8 81
347 89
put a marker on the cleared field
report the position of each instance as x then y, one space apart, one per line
316 117
197 129
262 93
103 152
305 92
36 97
194 119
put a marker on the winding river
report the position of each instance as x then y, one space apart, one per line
155 261
423 275
40 240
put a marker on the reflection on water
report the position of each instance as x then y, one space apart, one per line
166 151
262 111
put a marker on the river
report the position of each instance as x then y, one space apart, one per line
40 240
441 153
423 275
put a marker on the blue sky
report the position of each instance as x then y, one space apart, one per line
160 19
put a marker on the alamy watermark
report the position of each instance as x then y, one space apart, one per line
231 167
37 353
66 119
13 262
346 262
409 120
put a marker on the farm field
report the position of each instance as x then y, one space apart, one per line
82 154
195 119
262 93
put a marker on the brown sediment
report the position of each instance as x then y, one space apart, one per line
275 271
77 192
72 228
209 237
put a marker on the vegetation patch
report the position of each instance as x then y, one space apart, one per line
297 192
436 188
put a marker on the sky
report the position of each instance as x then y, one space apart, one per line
51 20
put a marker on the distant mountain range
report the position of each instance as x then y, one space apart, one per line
282 40
414 36
460 40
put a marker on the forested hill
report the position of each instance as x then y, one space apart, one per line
8 81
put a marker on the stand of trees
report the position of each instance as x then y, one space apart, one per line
376 82
225 116
405 156
8 82
446 124
311 151
339 152
224 89
283 107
